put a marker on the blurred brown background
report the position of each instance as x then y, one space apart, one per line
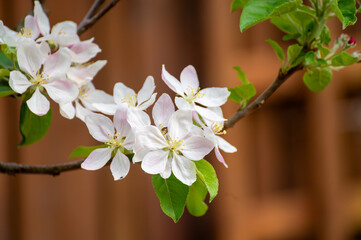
297 172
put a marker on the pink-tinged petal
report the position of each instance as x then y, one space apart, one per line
99 126
148 103
45 49
64 33
220 157
38 103
57 64
97 159
150 138
212 97
81 112
62 91
106 108
123 94
120 121
168 170
182 104
29 56
189 80
180 124
155 162
42 19
96 96
172 82
146 91
184 169
79 75
196 147
94 68
84 51
225 146
18 82
31 25
120 166
208 114
67 110
129 140
163 110
217 111
137 118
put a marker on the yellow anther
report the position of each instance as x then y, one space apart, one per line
131 99
84 91
217 128
25 33
115 140
39 78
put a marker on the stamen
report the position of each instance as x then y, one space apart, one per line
40 78
131 99
25 33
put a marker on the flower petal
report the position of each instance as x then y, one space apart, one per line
84 51
64 33
67 110
168 170
155 162
120 121
196 147
123 94
172 82
182 104
213 97
146 104
31 26
18 82
137 118
220 157
57 64
97 159
81 112
163 110
29 56
208 114
120 166
146 91
225 146
38 103
184 169
96 96
43 21
180 124
99 126
62 91
106 108
189 80
150 138
94 68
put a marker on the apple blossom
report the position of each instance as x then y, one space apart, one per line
117 135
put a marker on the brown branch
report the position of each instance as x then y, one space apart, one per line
94 15
257 103
56 169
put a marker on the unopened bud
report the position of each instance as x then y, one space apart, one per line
351 41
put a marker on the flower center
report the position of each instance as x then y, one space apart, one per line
115 140
39 78
217 128
84 91
25 33
175 145
193 94
131 99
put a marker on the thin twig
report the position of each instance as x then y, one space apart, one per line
257 103
56 169
92 16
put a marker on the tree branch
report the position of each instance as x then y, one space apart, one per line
56 169
92 16
257 103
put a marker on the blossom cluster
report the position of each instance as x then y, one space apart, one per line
57 64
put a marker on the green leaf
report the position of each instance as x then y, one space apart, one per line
324 51
310 59
234 95
325 36
5 62
4 72
33 127
257 11
5 89
83 151
294 55
10 52
207 174
278 50
238 4
172 195
345 11
241 75
246 91
317 79
344 59
195 199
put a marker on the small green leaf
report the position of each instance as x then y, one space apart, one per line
172 195
345 11
310 59
293 54
195 199
4 72
83 151
241 75
234 95
5 62
344 59
257 11
246 91
325 36
5 89
33 127
207 174
324 51
317 79
238 4
278 50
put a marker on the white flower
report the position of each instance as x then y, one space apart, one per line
172 151
117 135
136 103
190 93
212 132
44 72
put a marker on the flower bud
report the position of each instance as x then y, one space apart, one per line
351 41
